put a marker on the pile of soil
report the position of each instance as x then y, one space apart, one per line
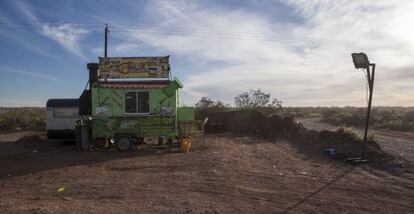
310 142
248 122
30 138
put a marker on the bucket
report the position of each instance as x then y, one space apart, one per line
185 145
331 151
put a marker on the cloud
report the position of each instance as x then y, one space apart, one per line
305 63
66 34
124 47
302 58
97 51
20 38
28 73
26 10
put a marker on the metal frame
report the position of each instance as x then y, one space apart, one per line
137 113
361 61
370 77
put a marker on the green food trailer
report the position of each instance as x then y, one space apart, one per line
133 101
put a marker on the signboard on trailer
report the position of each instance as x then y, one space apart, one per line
134 67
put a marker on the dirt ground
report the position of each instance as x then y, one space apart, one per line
223 174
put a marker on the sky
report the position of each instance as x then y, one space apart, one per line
297 50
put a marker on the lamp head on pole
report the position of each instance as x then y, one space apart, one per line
360 60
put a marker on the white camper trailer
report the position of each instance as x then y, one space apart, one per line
61 117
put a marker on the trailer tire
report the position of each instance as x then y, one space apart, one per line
123 144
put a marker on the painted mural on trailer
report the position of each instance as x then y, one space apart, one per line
134 67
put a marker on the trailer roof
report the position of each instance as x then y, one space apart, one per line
63 103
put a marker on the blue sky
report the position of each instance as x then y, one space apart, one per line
297 50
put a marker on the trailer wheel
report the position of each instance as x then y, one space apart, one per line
123 144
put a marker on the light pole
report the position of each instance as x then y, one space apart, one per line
361 61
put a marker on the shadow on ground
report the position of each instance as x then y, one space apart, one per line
34 153
310 143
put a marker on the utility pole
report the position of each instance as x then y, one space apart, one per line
106 41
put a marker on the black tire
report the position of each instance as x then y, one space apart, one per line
170 142
123 144
140 141
160 141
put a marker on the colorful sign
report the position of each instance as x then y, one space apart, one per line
134 67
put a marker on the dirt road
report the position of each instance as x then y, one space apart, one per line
397 143
226 174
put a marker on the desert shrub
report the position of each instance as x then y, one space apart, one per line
252 122
256 99
350 133
22 119
303 111
409 116
393 118
205 107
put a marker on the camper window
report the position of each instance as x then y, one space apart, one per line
137 102
65 112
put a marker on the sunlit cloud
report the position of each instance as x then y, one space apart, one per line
301 56
306 63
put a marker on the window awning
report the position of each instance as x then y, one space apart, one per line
134 84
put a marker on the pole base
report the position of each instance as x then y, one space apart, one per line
356 160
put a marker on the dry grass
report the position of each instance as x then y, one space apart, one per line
26 118
392 118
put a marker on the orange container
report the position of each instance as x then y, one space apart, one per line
185 145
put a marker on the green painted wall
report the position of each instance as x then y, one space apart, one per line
109 118
137 126
108 102
185 114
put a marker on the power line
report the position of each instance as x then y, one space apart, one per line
178 29
200 32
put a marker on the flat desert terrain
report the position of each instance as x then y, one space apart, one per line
222 174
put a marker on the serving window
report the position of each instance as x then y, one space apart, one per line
137 102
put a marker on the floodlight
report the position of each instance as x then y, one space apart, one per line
360 60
